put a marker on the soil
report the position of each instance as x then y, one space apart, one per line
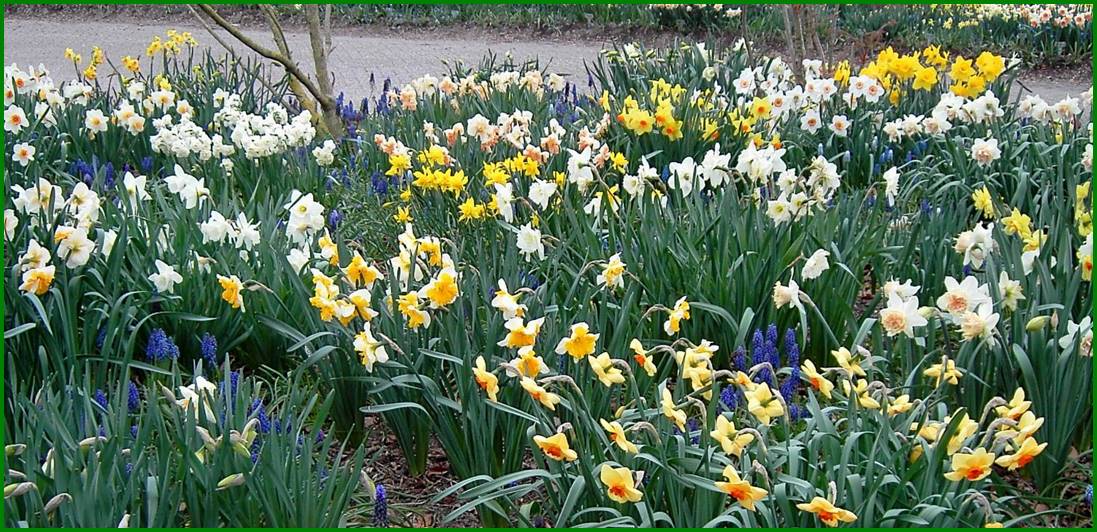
409 496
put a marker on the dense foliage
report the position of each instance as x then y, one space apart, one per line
694 289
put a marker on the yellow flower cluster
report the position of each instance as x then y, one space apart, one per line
172 44
663 97
925 69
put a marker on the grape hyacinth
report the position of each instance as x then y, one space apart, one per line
161 346
133 401
209 349
380 508
101 399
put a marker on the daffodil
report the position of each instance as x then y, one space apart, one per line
37 281
728 437
547 399
860 390
945 371
579 344
485 379
1016 407
1017 223
900 405
1022 455
620 486
739 489
675 415
763 404
848 362
527 364
232 291
369 349
617 436
361 273
817 381
605 371
677 314
827 512
520 333
983 202
613 271
642 358
971 466
442 290
1026 426
556 447
409 306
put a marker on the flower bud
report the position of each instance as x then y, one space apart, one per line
231 481
1037 323
18 489
56 502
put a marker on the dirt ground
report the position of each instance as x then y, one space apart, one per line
38 34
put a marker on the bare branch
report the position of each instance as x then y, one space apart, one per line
272 55
212 33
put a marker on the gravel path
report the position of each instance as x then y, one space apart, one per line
399 56
34 41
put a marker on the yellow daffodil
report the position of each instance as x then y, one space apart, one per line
900 405
1017 223
617 436
1016 407
370 350
520 333
827 512
605 371
232 291
485 379
619 484
847 361
547 399
763 404
971 466
361 273
817 381
677 314
945 371
409 306
641 357
1023 454
730 440
984 203
859 389
676 416
527 363
556 447
441 290
581 343
739 489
